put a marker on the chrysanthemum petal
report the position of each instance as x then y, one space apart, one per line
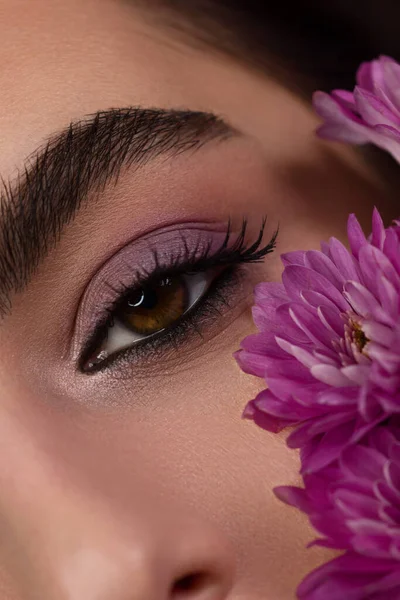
305 319
293 496
372 109
389 299
343 260
360 298
343 578
328 349
332 320
378 229
315 299
370 114
320 263
340 122
303 356
356 373
296 257
372 261
376 332
264 420
355 234
297 279
271 291
365 75
330 375
330 355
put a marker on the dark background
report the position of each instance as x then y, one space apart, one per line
320 42
306 44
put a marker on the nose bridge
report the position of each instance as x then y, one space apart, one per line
73 544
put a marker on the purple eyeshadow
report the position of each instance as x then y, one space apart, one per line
136 260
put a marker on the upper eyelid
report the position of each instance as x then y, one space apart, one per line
194 245
121 294
132 259
176 267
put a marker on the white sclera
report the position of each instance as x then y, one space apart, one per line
119 337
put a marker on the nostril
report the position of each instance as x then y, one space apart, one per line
191 586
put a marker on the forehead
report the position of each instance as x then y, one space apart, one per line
62 59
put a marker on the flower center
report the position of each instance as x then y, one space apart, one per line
352 347
359 336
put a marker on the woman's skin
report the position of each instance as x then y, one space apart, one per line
120 484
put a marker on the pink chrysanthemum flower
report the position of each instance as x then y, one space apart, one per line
327 345
355 504
370 114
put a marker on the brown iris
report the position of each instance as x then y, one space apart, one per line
155 307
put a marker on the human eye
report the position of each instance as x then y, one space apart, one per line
156 296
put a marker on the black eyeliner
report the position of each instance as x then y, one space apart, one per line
229 255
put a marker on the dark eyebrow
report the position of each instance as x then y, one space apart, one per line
85 157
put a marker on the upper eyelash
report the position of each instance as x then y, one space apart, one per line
188 261
191 261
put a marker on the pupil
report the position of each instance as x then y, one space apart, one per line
150 299
147 298
155 307
136 299
144 298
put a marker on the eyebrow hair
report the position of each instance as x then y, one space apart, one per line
57 179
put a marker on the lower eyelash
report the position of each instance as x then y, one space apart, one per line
207 309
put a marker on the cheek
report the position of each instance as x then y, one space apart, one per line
224 468
184 444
